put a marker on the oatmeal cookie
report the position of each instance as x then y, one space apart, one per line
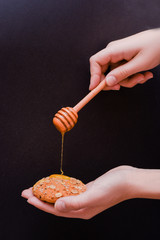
51 188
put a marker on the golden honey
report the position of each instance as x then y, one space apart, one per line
61 166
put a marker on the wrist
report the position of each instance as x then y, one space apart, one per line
156 33
143 183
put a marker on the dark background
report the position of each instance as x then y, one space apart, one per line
45 48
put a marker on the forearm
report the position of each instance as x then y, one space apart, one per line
144 183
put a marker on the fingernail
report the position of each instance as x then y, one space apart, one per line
150 76
60 206
116 87
111 80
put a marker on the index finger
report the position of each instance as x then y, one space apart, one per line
96 64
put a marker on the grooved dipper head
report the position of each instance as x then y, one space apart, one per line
65 119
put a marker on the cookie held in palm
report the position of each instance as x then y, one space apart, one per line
51 188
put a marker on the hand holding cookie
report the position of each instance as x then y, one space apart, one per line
117 185
102 193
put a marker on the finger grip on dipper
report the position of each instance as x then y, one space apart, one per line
65 119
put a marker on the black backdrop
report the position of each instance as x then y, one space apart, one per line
45 48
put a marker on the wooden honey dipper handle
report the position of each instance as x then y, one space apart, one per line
89 96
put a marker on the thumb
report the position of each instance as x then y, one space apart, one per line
135 65
74 202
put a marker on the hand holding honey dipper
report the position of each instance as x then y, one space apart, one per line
129 60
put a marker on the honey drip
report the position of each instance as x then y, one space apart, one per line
62 154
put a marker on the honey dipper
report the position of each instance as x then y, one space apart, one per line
66 118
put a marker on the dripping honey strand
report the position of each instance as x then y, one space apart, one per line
62 154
